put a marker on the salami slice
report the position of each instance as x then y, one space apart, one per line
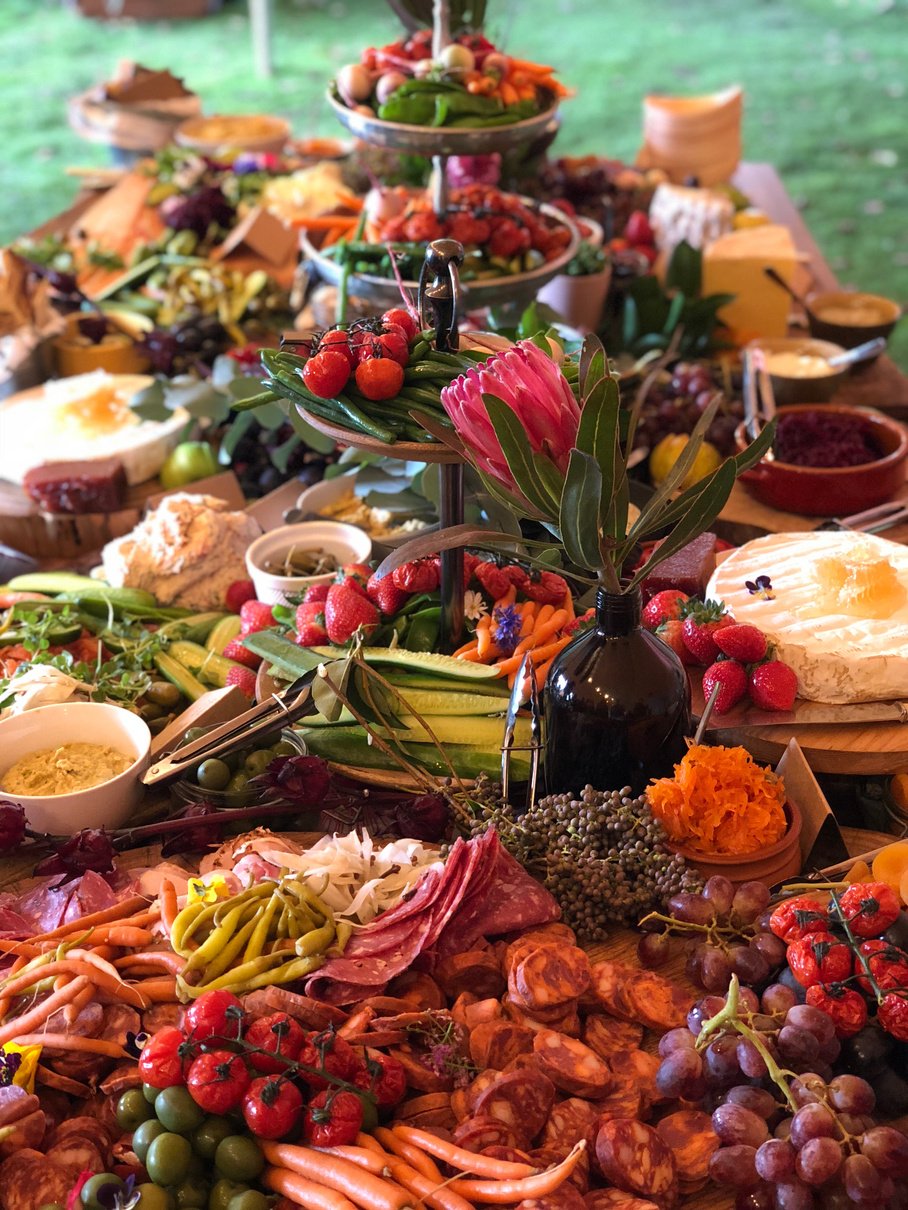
88 1022
419 1074
120 1020
76 1153
608 1036
565 1197
476 971
416 1105
566 1019
638 1067
616 1199
550 976
609 982
419 990
690 1137
521 1099
571 1066
160 1015
570 1121
27 1181
496 1043
624 1101
657 1002
632 1156
481 1013
556 929
478 1133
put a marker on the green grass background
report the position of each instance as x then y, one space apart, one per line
825 92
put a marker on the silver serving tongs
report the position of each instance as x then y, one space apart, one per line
871 520
758 395
281 708
535 746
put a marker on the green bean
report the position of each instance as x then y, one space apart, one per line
363 422
418 351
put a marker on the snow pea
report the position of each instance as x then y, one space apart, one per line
422 634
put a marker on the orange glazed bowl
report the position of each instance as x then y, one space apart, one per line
780 861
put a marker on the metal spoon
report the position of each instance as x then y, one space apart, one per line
868 349
777 277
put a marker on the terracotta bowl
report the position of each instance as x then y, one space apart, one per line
780 861
832 491
816 389
850 334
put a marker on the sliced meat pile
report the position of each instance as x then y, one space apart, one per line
480 891
50 903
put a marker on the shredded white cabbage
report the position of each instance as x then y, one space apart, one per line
40 685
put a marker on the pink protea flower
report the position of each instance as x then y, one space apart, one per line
534 388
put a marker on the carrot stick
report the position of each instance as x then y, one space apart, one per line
358 1022
511 664
568 605
417 1159
123 935
92 1046
545 612
465 650
484 623
540 654
94 959
471 656
11 1031
167 897
53 1079
535 69
13 971
72 1010
363 1156
525 645
457 1157
164 960
545 630
368 1191
508 93
22 948
118 912
506 1192
158 991
483 642
438 1196
65 966
541 672
302 1192
508 599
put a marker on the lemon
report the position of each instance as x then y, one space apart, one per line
669 450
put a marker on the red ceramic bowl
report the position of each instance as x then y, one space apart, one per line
774 864
833 491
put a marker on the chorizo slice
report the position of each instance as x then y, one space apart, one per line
567 1021
460 1105
88 1022
419 1074
120 1020
478 1133
609 982
484 1080
496 1043
639 1068
157 1016
616 1199
545 1157
566 1197
523 946
548 977
312 1013
418 990
624 1101
570 1121
481 1013
462 1002
521 1099
571 1066
385 1006
76 1153
83 1126
633 1157
609 1036
27 1180
690 1137
555 930
476 971
522 1062
657 1002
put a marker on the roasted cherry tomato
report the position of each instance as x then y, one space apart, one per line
384 1078
333 1119
327 372
397 315
420 575
279 1035
326 1052
217 1081
847 1008
165 1059
799 917
869 908
272 1107
888 965
215 1015
892 1014
338 340
379 377
819 958
496 579
394 345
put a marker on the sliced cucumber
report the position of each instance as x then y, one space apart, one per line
56 583
415 682
174 671
56 635
283 654
207 665
484 731
223 632
195 629
443 701
350 746
418 661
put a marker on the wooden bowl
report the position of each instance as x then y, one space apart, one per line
817 388
780 861
872 316
262 133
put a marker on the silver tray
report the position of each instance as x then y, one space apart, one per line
489 292
440 140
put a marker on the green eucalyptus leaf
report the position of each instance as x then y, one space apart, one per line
685 270
231 439
281 454
515 447
270 416
579 512
311 437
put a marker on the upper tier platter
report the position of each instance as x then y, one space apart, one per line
442 140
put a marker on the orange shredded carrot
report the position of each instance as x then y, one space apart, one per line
720 801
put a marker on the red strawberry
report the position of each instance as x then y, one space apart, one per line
241 655
701 621
355 576
238 593
255 615
385 595
731 678
310 624
638 229
671 633
345 611
316 592
742 642
663 606
244 679
773 686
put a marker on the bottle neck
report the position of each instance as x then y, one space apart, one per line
618 612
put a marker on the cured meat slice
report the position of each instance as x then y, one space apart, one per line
312 1013
632 1156
120 1020
624 1101
521 1099
496 1043
567 1021
460 1105
570 1065
565 1197
420 1075
478 1133
690 1137
418 990
555 929
608 1036
27 1181
549 977
88 1022
528 944
616 1199
481 1013
484 1080
639 1068
74 1154
476 972
157 1016
656 1001
462 1002
545 1157
570 1121
609 983
433 1109
121 1079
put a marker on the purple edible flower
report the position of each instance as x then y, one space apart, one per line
760 587
507 628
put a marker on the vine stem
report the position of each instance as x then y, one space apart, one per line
856 950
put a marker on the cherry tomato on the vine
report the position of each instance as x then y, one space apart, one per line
217 1014
384 1077
892 1014
165 1059
394 345
217 1081
279 1035
326 373
847 1008
398 315
799 917
338 341
379 377
870 908
333 1119
888 965
326 1052
820 958
272 1107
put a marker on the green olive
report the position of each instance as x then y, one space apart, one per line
144 1136
167 1161
153 1197
250 1200
150 1093
258 761
99 1190
191 1194
285 748
163 693
223 1192
194 733
206 1138
133 1110
213 774
239 1158
177 1111
157 725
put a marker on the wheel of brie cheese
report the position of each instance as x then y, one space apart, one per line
836 609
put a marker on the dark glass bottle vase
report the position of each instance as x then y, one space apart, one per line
617 704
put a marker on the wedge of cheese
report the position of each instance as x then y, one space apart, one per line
735 263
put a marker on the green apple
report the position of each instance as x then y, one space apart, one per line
190 460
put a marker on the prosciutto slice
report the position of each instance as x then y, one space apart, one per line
51 903
480 891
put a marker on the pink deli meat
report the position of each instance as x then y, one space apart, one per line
51 903
480 891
